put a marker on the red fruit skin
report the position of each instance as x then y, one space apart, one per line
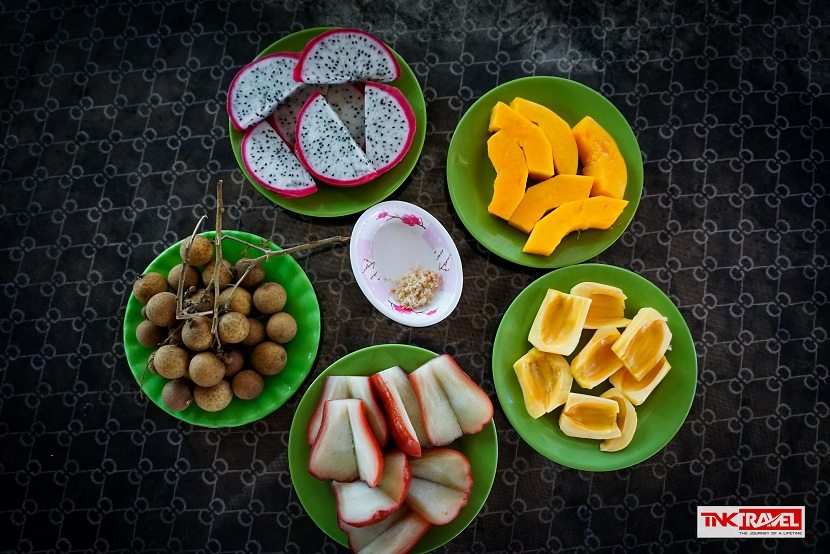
407 477
342 479
298 69
407 443
485 399
377 516
467 486
371 443
234 122
317 415
285 194
298 151
411 541
410 118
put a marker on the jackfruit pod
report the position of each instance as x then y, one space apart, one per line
545 380
590 417
596 362
559 322
607 305
643 342
637 391
626 422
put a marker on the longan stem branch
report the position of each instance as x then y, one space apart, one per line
220 209
299 248
180 290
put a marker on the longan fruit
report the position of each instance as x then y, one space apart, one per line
233 327
191 276
196 334
254 276
247 384
176 394
215 398
268 358
171 361
256 332
269 298
161 309
233 360
225 275
149 285
201 252
236 300
206 369
281 327
149 334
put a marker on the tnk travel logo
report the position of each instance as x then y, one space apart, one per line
750 521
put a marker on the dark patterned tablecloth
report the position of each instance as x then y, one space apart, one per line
113 132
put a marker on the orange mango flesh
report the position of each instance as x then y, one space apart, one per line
643 342
557 131
548 195
596 361
599 212
530 137
637 391
511 174
600 158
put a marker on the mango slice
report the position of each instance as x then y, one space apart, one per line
557 131
548 195
637 391
599 212
590 417
529 136
626 422
643 342
545 380
600 158
558 323
607 305
596 362
511 174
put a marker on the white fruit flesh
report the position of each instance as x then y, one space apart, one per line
390 125
359 504
440 423
445 467
436 503
271 163
360 388
396 377
400 538
396 476
333 454
335 387
361 537
259 87
347 102
346 56
471 405
366 449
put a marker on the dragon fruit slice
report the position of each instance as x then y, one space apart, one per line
271 164
346 56
325 147
259 87
346 100
390 125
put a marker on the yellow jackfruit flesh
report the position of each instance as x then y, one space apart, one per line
643 342
607 305
596 362
559 322
545 380
626 422
637 391
590 417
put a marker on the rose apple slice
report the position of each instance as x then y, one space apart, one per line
436 503
471 405
444 466
439 419
367 451
337 387
401 405
359 505
397 534
333 455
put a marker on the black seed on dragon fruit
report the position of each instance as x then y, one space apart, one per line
346 56
259 87
327 149
390 125
346 100
271 163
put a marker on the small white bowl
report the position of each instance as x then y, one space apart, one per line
394 237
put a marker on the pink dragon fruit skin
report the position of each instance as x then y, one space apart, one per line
333 57
326 148
259 87
270 163
390 125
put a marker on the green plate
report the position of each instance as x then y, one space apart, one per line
316 496
470 174
302 350
331 201
659 417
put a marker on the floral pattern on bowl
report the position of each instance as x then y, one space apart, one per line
394 237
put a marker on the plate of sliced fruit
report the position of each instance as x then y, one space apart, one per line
544 172
594 367
393 449
326 121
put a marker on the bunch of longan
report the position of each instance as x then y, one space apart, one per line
251 329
